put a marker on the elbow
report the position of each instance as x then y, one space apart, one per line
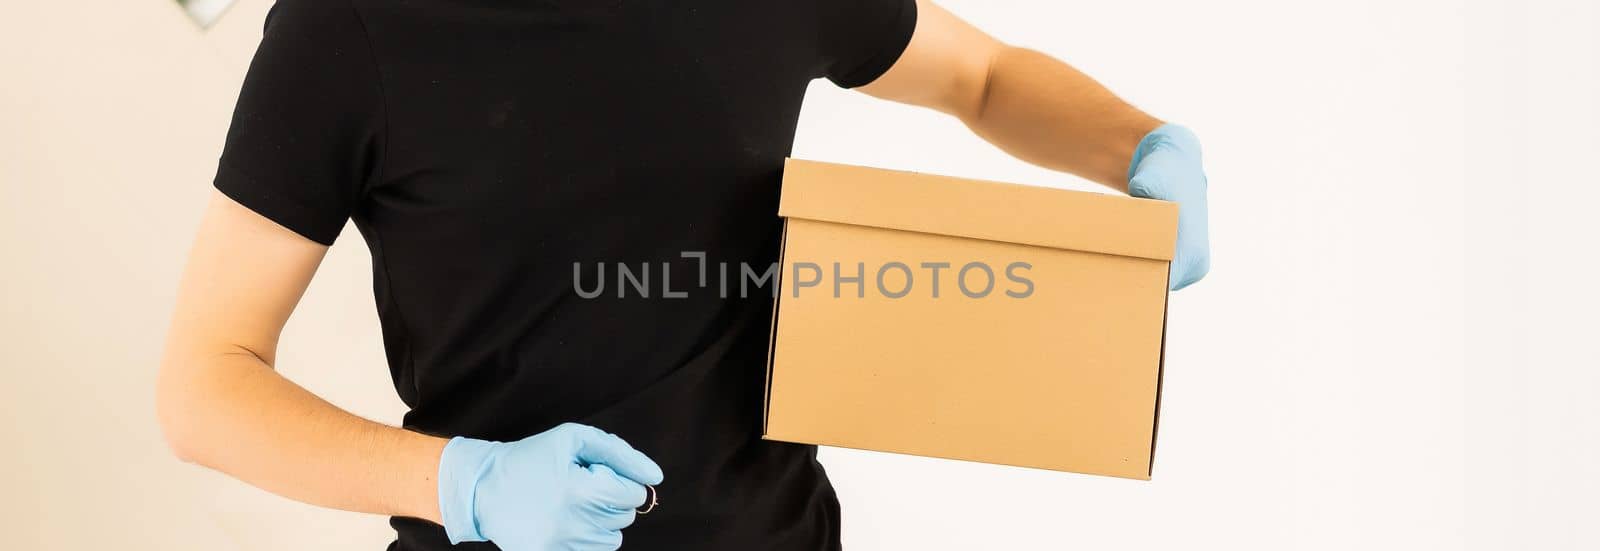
193 400
180 448
176 413
175 428
181 452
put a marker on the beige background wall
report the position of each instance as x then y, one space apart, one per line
1394 350
112 113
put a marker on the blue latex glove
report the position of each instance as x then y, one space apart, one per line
1166 166
571 487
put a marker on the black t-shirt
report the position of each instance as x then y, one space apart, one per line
484 148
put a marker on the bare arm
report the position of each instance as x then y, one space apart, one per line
222 405
1032 106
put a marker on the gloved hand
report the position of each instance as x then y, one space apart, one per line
571 487
1166 166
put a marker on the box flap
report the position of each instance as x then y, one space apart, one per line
1029 215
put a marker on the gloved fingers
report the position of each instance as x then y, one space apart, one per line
597 446
608 540
610 489
1148 186
1179 279
1188 271
608 518
1193 259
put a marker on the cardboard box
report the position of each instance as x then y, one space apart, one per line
1042 348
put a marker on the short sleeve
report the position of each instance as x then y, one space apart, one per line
306 139
859 40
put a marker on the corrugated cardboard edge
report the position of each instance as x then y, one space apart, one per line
1161 373
1108 474
772 333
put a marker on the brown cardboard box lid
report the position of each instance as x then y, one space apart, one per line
994 211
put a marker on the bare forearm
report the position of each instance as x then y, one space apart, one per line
240 417
1047 113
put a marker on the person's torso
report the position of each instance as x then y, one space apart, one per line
532 148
